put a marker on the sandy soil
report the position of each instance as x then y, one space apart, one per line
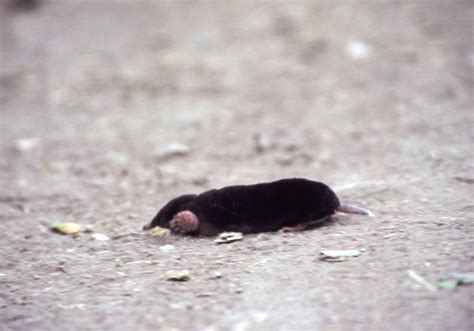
374 98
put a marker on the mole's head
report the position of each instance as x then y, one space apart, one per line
329 202
165 215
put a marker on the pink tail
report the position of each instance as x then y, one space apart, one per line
349 209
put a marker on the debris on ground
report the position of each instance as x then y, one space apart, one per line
100 236
455 279
67 228
358 50
26 144
159 232
178 276
167 248
172 150
338 255
216 275
228 237
420 280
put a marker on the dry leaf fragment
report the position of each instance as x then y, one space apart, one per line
159 232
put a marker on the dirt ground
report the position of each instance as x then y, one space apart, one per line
372 97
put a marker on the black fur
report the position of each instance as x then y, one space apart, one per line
254 208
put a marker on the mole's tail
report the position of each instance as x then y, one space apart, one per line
350 209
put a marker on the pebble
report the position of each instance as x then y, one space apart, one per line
26 144
67 228
178 276
217 275
173 150
167 248
358 50
228 237
100 236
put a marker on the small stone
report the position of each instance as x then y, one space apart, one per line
67 228
217 275
22 182
173 150
100 237
167 248
228 237
358 50
178 276
26 144
184 305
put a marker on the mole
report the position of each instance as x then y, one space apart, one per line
288 205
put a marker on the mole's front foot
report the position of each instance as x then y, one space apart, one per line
184 222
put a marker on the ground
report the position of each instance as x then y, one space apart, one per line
373 98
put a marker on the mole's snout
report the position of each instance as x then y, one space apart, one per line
351 209
147 227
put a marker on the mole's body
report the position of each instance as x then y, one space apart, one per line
287 203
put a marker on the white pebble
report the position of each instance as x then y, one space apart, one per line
26 144
166 248
358 50
173 150
100 237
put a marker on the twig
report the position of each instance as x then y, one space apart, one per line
421 280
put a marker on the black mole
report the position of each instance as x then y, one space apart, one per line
287 204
